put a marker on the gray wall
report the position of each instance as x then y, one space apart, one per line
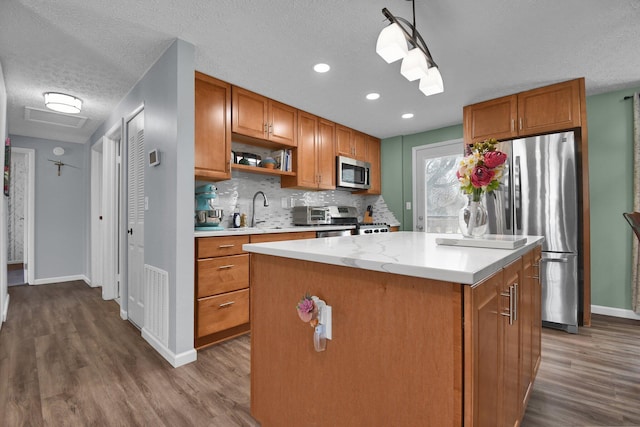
61 204
167 91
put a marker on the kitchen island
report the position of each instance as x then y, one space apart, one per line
423 334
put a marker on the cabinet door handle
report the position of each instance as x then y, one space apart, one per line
513 125
511 311
520 123
225 246
223 267
515 302
265 128
271 129
226 304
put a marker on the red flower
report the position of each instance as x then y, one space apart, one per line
481 176
494 159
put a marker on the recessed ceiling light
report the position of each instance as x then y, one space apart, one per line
321 68
407 115
373 96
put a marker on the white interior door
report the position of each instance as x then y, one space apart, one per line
135 218
97 255
108 217
436 192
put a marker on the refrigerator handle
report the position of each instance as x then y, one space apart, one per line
518 193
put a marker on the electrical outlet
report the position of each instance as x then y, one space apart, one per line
283 202
408 206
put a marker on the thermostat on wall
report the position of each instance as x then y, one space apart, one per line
154 157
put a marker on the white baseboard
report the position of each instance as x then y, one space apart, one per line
5 310
176 360
60 279
615 312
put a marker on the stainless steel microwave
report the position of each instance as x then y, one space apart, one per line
352 174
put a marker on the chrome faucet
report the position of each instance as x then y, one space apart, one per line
253 213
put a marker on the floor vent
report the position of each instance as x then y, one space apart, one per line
156 303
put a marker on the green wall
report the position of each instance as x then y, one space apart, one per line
610 127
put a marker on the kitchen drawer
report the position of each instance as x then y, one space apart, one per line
222 274
222 312
208 247
278 237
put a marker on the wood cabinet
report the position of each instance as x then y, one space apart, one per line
548 109
463 370
373 157
222 289
222 284
511 305
212 128
502 329
350 143
314 158
256 116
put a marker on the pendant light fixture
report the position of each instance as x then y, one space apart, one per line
62 102
401 40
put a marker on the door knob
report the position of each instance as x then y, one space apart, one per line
130 231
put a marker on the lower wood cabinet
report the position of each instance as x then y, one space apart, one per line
221 289
502 331
222 284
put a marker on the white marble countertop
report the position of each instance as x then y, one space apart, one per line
405 252
261 230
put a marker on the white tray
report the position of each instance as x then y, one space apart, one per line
493 241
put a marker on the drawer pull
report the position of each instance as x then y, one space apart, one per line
222 267
226 304
225 246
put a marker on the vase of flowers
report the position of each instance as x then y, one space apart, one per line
479 173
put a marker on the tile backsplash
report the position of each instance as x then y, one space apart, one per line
239 191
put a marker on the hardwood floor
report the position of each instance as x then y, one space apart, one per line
66 358
588 379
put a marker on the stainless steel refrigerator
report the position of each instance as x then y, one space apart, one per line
539 196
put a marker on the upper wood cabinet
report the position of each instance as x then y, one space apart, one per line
315 157
547 109
256 116
373 157
350 143
212 128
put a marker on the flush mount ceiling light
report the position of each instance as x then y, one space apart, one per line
62 103
373 96
321 68
401 40
407 116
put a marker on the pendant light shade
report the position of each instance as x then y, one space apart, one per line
414 65
392 44
62 103
432 84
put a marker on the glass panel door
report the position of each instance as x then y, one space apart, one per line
437 195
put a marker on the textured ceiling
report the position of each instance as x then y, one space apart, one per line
97 50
